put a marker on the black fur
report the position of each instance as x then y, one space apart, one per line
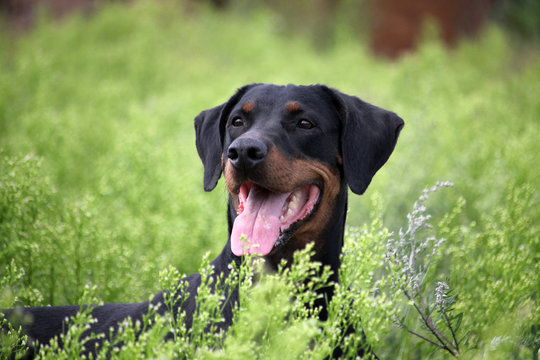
361 134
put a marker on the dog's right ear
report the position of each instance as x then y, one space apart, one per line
208 142
209 132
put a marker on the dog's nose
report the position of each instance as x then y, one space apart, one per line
246 153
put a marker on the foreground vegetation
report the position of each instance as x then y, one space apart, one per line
101 187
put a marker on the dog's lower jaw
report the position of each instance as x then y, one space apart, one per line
328 246
327 237
267 219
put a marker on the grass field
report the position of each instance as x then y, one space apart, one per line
101 185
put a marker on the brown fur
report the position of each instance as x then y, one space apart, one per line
293 106
247 107
281 174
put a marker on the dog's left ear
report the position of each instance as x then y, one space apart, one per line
209 130
368 137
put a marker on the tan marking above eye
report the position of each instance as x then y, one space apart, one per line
247 107
293 106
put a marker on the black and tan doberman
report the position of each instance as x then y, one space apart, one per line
288 155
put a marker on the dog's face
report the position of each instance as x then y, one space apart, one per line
286 152
280 159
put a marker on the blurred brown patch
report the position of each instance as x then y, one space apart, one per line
397 24
21 14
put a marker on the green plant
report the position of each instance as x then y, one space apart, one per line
409 259
112 191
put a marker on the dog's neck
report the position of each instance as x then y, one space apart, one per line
328 252
333 234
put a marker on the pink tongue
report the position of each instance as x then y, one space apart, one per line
256 229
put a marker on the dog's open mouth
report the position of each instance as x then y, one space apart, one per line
264 217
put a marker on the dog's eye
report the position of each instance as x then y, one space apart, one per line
237 122
305 124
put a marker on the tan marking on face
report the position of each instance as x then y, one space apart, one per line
293 106
312 229
231 181
280 174
247 107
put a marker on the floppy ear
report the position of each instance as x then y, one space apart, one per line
208 142
368 137
209 130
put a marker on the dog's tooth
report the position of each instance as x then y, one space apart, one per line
282 218
289 212
294 202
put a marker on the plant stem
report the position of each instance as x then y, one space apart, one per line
449 324
422 337
427 321
428 317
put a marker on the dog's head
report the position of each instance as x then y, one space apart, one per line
285 152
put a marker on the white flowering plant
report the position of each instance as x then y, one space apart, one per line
409 257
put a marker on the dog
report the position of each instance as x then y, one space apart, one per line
288 154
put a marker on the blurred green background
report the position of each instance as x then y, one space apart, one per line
100 182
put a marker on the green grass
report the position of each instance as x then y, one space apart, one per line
101 185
